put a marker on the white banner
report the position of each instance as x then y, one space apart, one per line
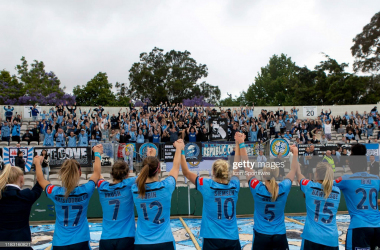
27 113
310 111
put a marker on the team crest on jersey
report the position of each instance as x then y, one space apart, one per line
192 150
279 145
144 148
10 153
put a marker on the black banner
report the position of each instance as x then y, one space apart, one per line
219 129
320 149
193 151
59 154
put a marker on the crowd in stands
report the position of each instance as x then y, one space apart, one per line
71 126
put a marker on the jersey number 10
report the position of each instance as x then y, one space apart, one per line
226 215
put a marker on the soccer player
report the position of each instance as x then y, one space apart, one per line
219 228
118 211
360 192
322 202
71 203
270 200
152 199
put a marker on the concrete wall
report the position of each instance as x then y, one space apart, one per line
335 109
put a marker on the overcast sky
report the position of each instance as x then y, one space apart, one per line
77 39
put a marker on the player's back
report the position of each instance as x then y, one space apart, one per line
219 208
360 192
269 215
153 224
71 224
320 226
117 206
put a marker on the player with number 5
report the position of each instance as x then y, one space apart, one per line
152 199
71 202
270 200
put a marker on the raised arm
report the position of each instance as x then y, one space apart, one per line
240 145
179 146
39 174
295 164
98 150
185 169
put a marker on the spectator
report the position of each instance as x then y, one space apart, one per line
373 166
324 140
45 159
27 136
261 159
329 159
35 112
5 132
16 131
8 113
20 161
350 136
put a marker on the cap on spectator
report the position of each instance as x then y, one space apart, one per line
82 129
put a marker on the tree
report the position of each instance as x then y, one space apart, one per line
97 91
121 94
31 86
366 48
237 101
172 77
274 83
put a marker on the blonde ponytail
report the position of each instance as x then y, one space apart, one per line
324 170
271 175
220 169
9 175
69 174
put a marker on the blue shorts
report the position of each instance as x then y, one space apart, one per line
309 245
269 242
363 238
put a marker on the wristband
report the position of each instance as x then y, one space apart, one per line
182 152
242 145
97 154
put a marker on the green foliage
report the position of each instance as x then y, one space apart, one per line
282 82
237 101
366 48
10 87
97 91
274 83
172 77
36 80
122 99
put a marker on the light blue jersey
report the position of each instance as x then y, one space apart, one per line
269 216
320 226
118 212
153 223
71 225
219 208
360 192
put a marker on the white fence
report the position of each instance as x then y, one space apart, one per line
335 109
